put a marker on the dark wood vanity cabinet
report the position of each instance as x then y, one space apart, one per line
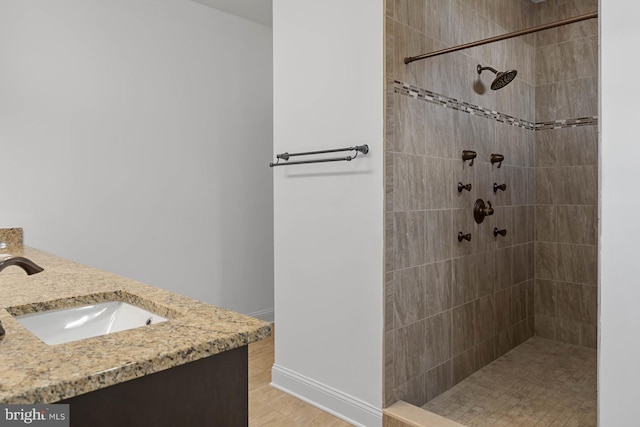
208 392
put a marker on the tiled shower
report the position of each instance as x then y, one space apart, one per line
452 307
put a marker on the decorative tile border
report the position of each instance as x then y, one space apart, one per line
466 107
567 123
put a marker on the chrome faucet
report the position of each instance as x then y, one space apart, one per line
27 265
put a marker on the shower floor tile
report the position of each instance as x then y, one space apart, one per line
539 383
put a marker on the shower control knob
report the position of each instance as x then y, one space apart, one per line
469 155
502 232
462 237
481 210
497 158
497 187
463 187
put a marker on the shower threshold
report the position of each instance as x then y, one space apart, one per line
540 382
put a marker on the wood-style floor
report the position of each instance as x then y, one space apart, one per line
269 407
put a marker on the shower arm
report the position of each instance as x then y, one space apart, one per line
481 69
518 33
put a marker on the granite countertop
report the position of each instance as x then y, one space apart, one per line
34 372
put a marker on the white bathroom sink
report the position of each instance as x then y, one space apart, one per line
73 324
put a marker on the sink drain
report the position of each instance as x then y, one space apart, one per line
148 322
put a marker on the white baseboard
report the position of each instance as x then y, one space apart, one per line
335 402
265 315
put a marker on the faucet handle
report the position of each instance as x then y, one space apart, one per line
468 155
497 158
462 237
461 187
481 210
497 187
502 232
489 210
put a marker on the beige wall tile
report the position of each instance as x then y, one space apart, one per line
389 47
410 240
523 224
546 186
545 223
576 98
409 182
409 296
521 257
389 8
545 297
486 269
473 133
521 186
464 365
438 287
546 327
412 391
389 181
578 185
486 352
409 358
531 179
578 59
546 151
504 268
463 328
439 379
389 291
503 310
439 129
520 333
390 242
579 29
577 146
577 224
485 320
577 302
411 13
437 178
439 235
546 255
578 263
530 287
569 331
547 64
505 341
518 303
389 377
531 261
589 335
409 126
438 339
546 107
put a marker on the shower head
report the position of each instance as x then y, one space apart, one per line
502 78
